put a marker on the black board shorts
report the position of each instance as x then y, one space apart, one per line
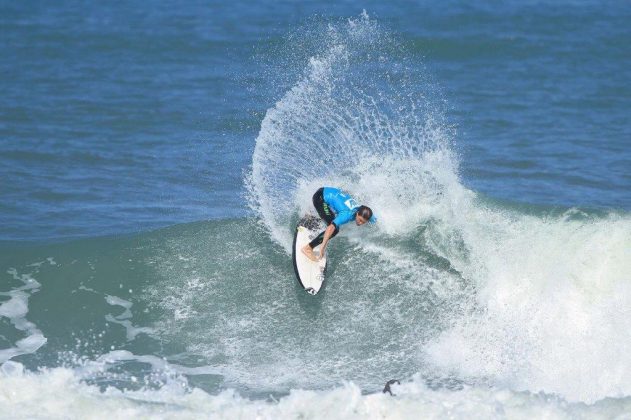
326 213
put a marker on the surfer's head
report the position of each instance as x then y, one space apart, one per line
363 215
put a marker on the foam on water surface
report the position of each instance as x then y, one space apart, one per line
59 393
15 310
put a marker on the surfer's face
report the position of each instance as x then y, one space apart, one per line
359 220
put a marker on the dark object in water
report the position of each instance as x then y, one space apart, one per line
388 384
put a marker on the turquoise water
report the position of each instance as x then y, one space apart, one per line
155 158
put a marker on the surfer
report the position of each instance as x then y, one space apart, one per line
335 208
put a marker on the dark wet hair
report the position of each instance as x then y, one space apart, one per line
365 212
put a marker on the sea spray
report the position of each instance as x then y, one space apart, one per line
358 112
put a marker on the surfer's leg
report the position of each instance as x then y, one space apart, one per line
308 249
309 253
318 239
323 209
325 213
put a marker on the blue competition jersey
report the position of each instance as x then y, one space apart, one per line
342 204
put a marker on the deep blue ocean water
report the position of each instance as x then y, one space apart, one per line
154 157
122 118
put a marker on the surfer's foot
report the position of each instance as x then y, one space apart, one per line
309 253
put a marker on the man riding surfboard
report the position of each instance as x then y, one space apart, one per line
336 208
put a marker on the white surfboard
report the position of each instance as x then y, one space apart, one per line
310 274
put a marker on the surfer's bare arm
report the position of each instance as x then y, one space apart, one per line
327 235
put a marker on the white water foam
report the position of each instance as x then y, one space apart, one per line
61 393
124 318
16 309
554 297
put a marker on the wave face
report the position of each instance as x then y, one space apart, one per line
480 314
